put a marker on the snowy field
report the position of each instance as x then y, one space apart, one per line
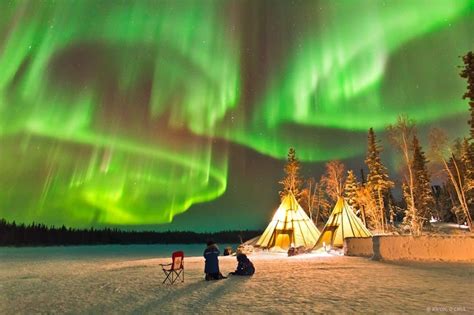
127 279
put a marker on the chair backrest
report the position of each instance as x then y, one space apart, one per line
178 258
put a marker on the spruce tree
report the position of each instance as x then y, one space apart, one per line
292 181
378 181
467 73
350 190
467 163
424 200
410 218
467 160
467 149
392 208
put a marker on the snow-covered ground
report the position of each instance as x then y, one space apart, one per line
306 283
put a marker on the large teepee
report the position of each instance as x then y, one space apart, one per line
342 223
290 226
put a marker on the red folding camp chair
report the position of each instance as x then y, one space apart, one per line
176 271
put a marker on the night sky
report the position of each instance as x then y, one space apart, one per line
179 114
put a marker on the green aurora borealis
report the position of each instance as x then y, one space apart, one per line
128 112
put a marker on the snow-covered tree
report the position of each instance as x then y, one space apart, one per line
467 160
292 180
350 190
410 217
424 201
378 181
467 163
393 209
467 73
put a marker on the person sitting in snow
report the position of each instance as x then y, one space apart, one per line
244 266
211 267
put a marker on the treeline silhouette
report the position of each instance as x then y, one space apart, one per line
35 234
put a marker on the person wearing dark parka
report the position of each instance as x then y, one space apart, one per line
211 267
244 266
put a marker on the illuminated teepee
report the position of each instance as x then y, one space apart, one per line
290 226
342 223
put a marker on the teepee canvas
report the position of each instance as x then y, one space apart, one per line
342 223
290 226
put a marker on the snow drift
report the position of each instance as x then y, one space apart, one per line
452 248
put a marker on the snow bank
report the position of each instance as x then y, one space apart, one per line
358 246
453 248
426 248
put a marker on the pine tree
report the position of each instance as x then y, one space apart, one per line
467 163
424 200
350 190
378 181
410 218
392 208
292 181
467 149
467 73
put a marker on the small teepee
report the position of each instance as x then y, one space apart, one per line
290 226
342 223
